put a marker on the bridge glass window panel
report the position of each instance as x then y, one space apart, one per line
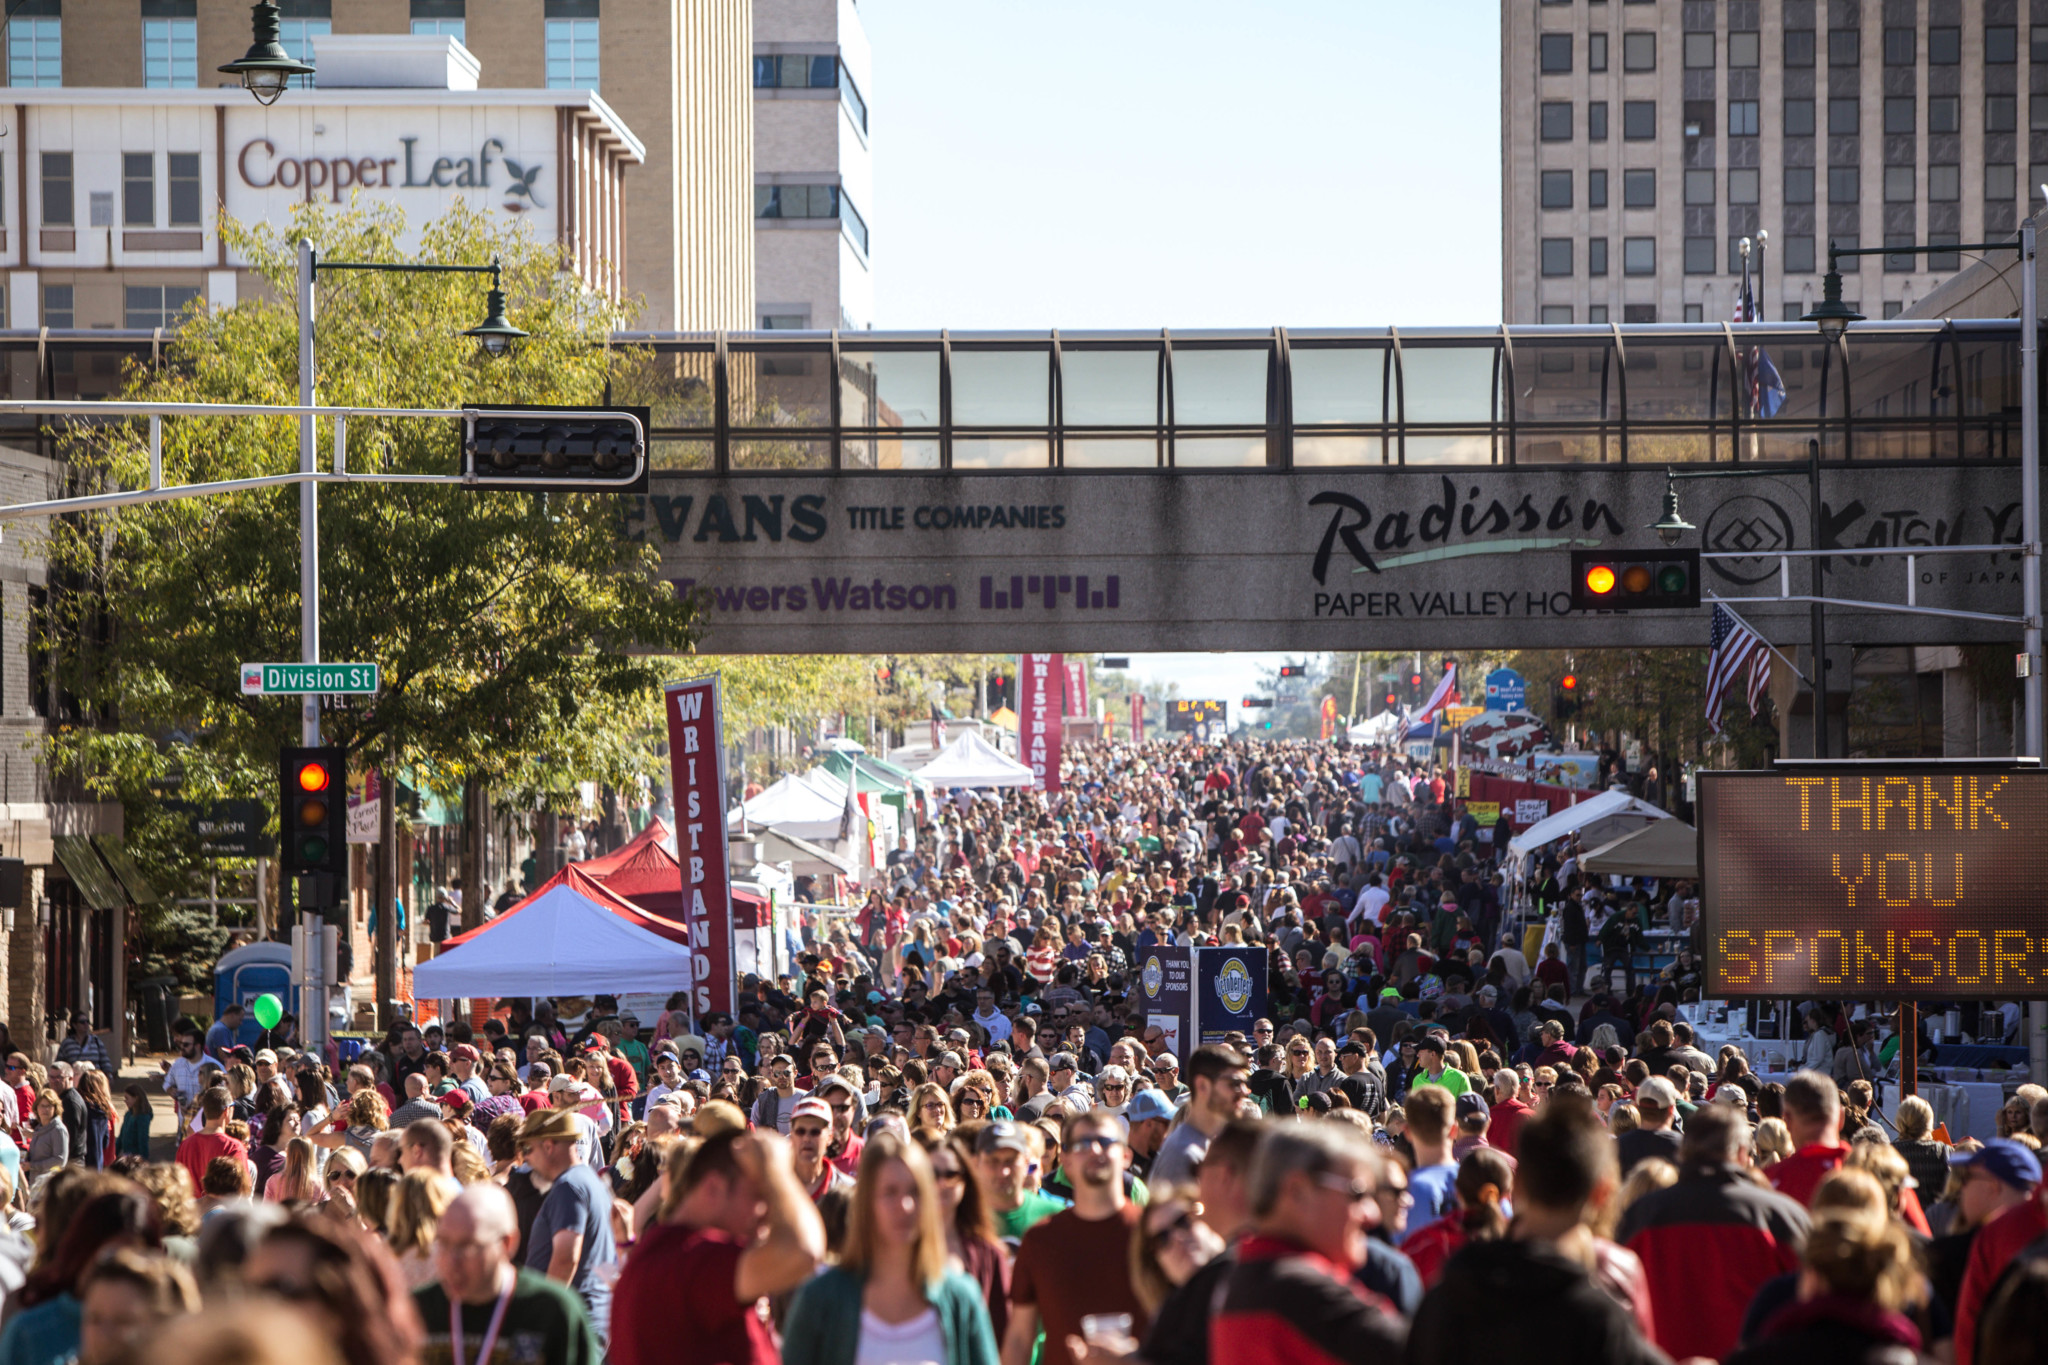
787 387
1220 452
1001 452
1891 395
1451 383
889 389
1340 385
1106 452
889 452
1219 388
1111 388
1671 394
782 453
676 385
1561 402
1002 388
1804 365
1988 389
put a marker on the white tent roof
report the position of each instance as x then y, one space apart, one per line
1616 806
1662 848
809 805
563 943
1383 728
970 761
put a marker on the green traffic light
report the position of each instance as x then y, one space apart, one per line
313 849
1671 579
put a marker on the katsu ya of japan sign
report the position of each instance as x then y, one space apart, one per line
1860 880
1327 558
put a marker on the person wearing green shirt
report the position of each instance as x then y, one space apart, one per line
484 1309
1005 1159
1429 1051
629 1046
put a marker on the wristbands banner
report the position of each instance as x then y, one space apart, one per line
696 754
1040 706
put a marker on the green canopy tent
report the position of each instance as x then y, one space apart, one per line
894 785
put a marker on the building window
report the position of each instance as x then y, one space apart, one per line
2001 115
1845 46
1944 260
1596 52
1638 52
1557 315
1843 117
786 322
1699 186
1695 312
811 201
1899 262
1798 47
1944 184
155 305
1639 189
1900 114
1699 256
1899 47
1639 120
2001 44
2001 182
184 189
170 44
1798 118
796 71
1555 121
1742 118
1945 114
58 311
300 22
35 44
2037 113
440 18
1699 50
1596 121
571 44
1799 184
1845 184
1596 260
1901 185
1639 255
1799 255
138 189
1597 313
1554 54
1557 256
1944 46
1596 189
1745 185
1745 49
849 95
1638 314
58 210
1557 189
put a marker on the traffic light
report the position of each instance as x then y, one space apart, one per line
555 449
1564 703
313 816
1258 701
1392 701
1293 671
1634 580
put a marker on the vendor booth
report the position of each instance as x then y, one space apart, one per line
970 761
560 943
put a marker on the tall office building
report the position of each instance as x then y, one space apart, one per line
1642 140
813 170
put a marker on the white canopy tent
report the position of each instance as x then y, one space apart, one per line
971 761
1383 728
809 805
1599 819
1663 849
563 943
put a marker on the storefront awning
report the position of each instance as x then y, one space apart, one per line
96 885
115 853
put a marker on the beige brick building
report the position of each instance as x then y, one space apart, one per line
1642 139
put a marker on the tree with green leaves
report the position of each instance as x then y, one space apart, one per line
506 624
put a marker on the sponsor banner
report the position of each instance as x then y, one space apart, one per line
1319 559
697 765
1230 991
1166 993
1039 713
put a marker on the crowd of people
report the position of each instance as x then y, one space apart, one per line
955 1137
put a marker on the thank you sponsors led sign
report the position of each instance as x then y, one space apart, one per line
1861 880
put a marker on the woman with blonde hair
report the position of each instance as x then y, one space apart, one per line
1773 1143
930 1111
892 1299
298 1180
357 1125
415 1214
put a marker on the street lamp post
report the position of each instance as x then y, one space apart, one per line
1833 317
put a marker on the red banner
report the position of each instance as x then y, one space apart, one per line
1137 718
1040 678
1077 687
696 755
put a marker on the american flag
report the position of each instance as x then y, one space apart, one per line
1734 647
1766 385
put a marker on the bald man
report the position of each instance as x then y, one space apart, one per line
537 1318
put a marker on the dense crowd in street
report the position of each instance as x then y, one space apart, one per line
1466 1127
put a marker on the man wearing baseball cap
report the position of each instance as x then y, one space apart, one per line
462 1059
2002 1184
571 1240
830 1189
1005 1158
1149 1116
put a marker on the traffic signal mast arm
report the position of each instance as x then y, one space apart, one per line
160 491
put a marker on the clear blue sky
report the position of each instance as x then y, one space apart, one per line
1185 163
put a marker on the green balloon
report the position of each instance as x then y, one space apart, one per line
268 1009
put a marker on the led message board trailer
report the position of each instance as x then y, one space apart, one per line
1872 880
1187 716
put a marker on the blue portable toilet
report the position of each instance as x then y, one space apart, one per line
249 971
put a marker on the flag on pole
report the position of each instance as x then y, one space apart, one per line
1766 387
1733 648
1440 698
938 728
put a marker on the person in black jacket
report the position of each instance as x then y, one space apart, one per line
1529 1297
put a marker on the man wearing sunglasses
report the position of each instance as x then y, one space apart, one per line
1076 1263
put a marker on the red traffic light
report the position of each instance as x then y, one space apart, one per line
1570 682
1600 580
1415 680
314 777
1391 699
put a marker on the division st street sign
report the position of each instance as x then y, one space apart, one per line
264 680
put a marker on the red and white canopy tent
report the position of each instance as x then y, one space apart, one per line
560 941
591 889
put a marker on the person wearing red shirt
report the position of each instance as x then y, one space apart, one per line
735 1228
2002 1197
1509 1113
1813 1113
200 1148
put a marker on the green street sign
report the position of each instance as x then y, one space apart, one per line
264 680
